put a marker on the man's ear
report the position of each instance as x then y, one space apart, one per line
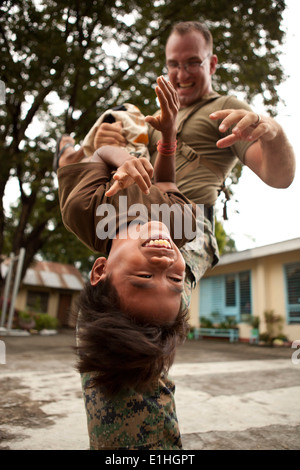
213 64
98 271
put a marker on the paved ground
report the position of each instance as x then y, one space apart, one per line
229 396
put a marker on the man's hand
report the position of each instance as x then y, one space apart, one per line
135 170
249 126
271 156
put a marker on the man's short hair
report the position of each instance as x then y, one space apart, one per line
185 27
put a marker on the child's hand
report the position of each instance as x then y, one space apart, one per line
134 170
165 122
109 134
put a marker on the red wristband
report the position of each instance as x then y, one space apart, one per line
167 149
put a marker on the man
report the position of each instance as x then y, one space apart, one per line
191 65
259 141
213 131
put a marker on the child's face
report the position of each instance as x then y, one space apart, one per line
148 275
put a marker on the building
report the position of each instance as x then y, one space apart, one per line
52 288
248 283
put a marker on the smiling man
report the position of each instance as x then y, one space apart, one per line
214 131
191 63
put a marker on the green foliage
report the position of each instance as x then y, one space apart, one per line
25 315
63 63
25 320
274 325
255 321
45 321
225 243
39 321
224 324
228 323
206 323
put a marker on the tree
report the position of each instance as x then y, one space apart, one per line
225 243
64 62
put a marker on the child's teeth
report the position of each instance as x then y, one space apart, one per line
159 242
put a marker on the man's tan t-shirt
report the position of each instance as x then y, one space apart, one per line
199 134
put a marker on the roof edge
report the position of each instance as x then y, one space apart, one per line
258 252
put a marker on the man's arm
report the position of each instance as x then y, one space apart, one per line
271 156
273 161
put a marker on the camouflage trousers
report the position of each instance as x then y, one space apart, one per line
134 421
199 255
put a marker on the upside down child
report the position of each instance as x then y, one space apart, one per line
131 312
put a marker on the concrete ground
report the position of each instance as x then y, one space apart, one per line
228 396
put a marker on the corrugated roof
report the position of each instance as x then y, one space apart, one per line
72 281
50 279
52 275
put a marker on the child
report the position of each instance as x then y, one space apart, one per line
131 318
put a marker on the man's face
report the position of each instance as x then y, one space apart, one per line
191 86
148 273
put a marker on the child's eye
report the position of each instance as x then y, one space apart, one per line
176 279
145 276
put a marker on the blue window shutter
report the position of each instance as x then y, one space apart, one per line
206 289
292 277
218 295
211 296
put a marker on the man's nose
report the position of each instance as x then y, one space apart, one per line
182 72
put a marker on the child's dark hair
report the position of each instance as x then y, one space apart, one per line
122 352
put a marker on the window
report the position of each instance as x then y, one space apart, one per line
245 294
292 275
238 293
230 291
227 296
37 301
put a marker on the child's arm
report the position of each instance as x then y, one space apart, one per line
130 169
164 167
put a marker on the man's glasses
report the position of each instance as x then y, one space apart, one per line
189 67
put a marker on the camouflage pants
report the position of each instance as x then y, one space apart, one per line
133 421
199 255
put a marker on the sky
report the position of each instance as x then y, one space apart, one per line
264 215
267 215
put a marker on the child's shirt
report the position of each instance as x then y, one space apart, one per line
95 218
